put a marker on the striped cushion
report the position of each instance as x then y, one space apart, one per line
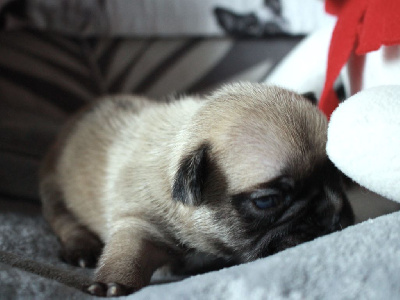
46 77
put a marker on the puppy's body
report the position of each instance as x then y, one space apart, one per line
117 176
154 182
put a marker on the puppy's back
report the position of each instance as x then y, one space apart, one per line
100 141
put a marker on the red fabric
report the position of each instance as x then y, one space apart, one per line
381 25
362 26
334 7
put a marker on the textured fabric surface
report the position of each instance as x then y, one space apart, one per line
364 139
352 264
360 262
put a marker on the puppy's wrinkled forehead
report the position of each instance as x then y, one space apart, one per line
260 131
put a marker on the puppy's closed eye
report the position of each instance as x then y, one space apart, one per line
265 199
264 203
268 201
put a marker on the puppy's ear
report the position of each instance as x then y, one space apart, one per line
190 177
311 96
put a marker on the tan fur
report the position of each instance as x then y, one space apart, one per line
115 167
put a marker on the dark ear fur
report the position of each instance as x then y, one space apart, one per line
311 96
190 177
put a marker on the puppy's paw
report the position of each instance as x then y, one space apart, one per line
82 251
109 290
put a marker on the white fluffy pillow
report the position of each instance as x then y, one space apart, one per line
364 139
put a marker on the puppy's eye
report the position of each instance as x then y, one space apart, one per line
266 202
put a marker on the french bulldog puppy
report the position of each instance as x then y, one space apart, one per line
239 175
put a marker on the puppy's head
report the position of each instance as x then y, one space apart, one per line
257 174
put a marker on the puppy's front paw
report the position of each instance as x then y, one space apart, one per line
109 290
82 251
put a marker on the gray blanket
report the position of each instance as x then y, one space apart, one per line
360 262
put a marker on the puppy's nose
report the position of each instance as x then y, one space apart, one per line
329 225
336 223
